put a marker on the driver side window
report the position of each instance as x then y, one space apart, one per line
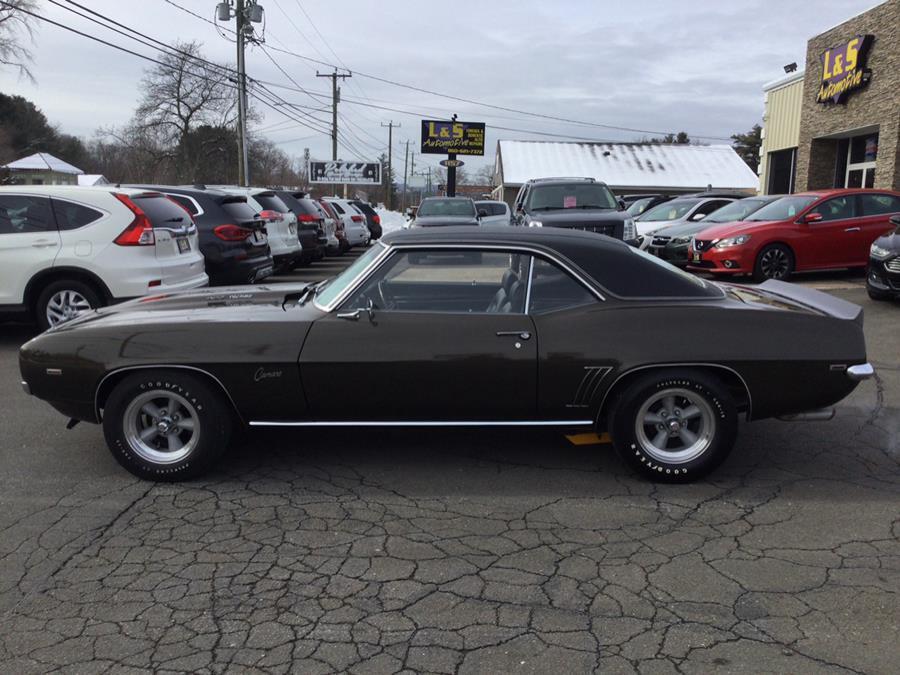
446 280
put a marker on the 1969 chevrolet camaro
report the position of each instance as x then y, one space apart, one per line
457 327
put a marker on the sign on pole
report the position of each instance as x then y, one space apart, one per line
353 173
442 137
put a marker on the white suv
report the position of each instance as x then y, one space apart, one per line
281 224
65 249
355 228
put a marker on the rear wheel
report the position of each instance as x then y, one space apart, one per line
775 261
63 300
165 425
674 426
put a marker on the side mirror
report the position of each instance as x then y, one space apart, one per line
697 217
811 218
482 213
895 220
622 204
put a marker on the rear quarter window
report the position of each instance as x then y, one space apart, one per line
71 216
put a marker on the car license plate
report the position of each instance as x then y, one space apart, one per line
696 257
259 237
184 244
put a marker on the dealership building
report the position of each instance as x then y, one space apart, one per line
836 123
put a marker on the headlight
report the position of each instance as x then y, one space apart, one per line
535 223
878 252
733 241
681 240
629 231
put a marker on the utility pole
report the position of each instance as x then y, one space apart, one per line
335 98
246 13
390 182
405 176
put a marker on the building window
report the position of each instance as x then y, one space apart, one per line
782 170
862 154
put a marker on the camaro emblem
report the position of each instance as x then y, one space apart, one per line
263 374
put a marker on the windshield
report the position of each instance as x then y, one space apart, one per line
783 209
670 210
736 211
447 207
638 206
337 285
575 196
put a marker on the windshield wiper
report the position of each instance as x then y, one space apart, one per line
545 208
593 206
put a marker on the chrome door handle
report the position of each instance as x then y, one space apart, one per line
852 229
521 334
43 243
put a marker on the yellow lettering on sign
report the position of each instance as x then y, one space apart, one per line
826 72
852 53
838 65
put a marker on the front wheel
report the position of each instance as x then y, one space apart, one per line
166 425
774 261
674 426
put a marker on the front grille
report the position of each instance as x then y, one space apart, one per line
702 245
893 265
706 264
600 228
660 241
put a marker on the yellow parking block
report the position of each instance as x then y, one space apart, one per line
588 439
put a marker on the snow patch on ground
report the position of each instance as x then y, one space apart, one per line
391 221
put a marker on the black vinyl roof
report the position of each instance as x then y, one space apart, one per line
614 266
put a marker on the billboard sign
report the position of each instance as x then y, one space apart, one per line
844 70
442 137
351 173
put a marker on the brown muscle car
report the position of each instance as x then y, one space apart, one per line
458 326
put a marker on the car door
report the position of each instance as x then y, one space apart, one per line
833 239
429 336
29 243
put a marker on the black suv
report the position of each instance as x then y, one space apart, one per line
574 203
233 238
310 226
373 220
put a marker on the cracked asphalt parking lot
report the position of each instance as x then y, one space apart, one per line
370 552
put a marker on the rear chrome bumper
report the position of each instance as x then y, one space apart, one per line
860 372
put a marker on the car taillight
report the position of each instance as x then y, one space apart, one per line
376 219
232 232
357 219
307 218
271 216
140 231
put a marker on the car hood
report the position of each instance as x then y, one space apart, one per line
224 304
681 228
890 241
722 230
443 221
564 217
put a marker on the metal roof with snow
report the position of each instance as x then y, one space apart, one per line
627 165
43 161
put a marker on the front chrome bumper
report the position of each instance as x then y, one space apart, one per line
860 372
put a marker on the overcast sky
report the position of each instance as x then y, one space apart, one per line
657 66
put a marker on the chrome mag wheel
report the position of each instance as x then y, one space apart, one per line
65 305
161 427
675 426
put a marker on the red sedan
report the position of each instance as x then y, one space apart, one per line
825 229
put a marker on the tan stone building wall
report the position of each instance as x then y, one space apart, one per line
874 108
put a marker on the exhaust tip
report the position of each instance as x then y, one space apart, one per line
820 415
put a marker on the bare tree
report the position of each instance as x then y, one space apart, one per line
16 33
179 97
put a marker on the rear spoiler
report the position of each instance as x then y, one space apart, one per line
817 300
